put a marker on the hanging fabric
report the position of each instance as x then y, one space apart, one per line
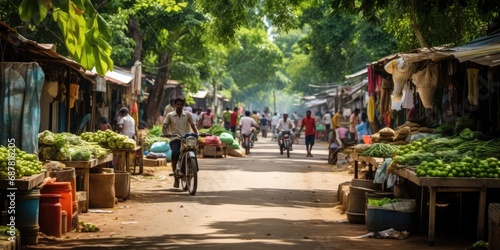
426 82
472 81
401 71
22 84
408 102
73 94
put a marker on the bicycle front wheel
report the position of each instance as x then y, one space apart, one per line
191 177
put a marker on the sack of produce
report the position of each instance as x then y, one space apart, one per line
160 147
386 132
226 138
235 145
213 140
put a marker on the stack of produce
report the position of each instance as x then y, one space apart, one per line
466 167
21 163
154 135
440 155
109 139
67 147
380 150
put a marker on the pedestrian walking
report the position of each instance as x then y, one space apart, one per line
310 124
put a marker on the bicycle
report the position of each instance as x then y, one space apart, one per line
187 165
247 142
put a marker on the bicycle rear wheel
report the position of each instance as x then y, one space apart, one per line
191 177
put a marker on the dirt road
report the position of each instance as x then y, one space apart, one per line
262 201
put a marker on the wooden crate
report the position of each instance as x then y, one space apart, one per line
154 162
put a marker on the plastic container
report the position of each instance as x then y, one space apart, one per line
50 215
66 175
27 205
66 199
64 222
379 219
27 210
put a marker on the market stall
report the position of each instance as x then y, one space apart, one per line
436 185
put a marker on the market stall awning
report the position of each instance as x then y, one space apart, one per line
357 87
315 102
119 76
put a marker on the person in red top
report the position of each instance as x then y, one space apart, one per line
310 124
233 120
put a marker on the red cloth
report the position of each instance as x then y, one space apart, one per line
310 124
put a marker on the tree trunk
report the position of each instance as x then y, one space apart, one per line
416 27
137 34
157 94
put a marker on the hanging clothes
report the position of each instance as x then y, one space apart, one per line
472 80
401 71
134 112
73 94
22 84
408 102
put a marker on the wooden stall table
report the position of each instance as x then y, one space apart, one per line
23 184
123 156
451 184
372 162
84 167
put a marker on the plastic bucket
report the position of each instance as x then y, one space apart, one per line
27 205
66 199
66 175
50 214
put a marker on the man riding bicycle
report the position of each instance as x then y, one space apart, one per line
178 122
246 124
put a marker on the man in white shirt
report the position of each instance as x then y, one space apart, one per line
285 125
246 124
274 122
126 125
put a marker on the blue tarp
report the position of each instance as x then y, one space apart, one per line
21 87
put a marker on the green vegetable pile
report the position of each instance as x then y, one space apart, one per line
87 227
67 147
155 131
109 139
25 164
380 150
216 130
381 202
467 167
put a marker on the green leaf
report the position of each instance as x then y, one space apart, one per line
27 9
61 4
103 27
43 7
80 4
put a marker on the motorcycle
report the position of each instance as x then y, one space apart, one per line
187 165
285 143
